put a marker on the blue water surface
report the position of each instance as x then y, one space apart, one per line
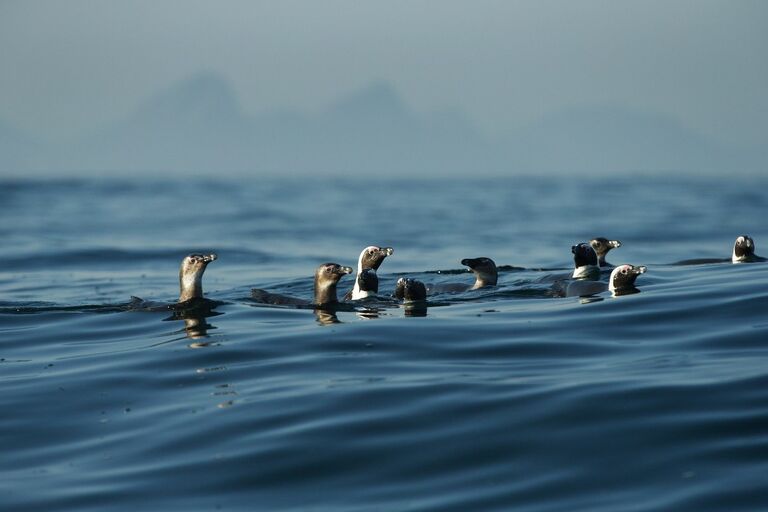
508 398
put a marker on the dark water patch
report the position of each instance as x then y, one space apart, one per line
119 259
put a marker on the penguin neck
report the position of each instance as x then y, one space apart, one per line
623 290
366 284
357 292
361 294
482 280
742 258
325 292
586 272
190 285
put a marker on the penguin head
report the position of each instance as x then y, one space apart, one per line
410 289
191 275
583 255
373 256
330 273
603 245
193 267
484 269
368 281
743 248
623 278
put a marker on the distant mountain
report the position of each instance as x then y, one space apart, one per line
197 126
604 139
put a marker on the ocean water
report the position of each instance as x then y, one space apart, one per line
502 399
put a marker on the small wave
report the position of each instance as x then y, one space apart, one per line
32 308
113 258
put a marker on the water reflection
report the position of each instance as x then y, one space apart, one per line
614 293
195 324
626 291
370 312
326 316
416 308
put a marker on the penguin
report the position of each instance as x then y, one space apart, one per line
326 278
585 262
410 290
620 282
744 250
370 258
602 246
367 284
191 273
413 293
484 269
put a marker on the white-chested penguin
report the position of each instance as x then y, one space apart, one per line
620 282
585 262
367 282
744 250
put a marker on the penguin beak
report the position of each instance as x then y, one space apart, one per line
205 259
345 270
388 251
639 269
614 243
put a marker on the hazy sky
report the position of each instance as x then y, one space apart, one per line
69 67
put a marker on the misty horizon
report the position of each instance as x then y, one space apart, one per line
356 88
198 125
